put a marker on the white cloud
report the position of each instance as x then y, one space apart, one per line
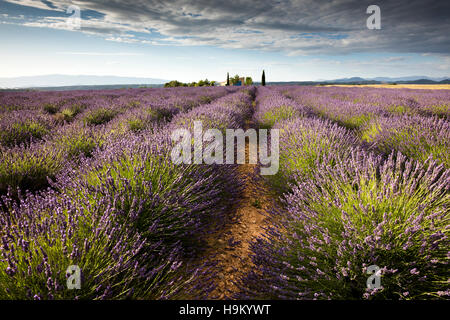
295 27
102 53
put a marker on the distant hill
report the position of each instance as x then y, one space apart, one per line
58 80
410 78
419 81
100 87
353 79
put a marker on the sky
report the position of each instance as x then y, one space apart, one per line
191 40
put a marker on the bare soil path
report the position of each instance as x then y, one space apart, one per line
231 247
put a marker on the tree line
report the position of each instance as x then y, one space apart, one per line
248 81
201 83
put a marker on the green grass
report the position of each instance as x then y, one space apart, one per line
257 203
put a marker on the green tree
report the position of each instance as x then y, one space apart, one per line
201 83
174 83
248 81
235 80
263 78
228 79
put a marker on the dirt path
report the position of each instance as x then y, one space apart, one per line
232 244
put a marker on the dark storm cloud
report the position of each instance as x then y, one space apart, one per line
333 27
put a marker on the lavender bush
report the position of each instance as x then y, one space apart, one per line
127 216
177 202
417 137
29 168
104 194
227 112
23 127
42 236
273 107
306 143
363 211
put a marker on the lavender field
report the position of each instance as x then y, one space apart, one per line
87 180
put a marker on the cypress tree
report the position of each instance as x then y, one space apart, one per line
228 79
263 79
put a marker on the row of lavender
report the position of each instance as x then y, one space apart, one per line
129 218
32 116
346 208
376 100
414 122
50 131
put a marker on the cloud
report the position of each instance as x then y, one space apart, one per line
445 65
295 27
394 59
82 53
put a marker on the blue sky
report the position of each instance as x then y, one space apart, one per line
192 40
